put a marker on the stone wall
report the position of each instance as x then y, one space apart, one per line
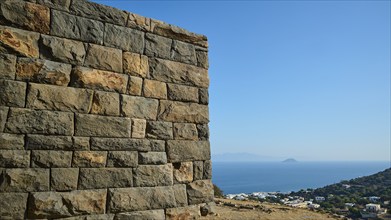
103 114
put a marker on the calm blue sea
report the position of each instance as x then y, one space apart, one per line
247 177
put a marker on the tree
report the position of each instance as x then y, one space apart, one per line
218 192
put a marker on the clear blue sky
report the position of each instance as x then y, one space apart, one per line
302 79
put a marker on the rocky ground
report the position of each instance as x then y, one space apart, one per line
232 209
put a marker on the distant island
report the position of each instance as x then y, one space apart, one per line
290 160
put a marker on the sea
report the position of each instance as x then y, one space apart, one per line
248 177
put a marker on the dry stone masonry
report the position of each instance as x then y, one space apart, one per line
103 114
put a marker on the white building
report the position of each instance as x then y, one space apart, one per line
372 207
374 198
349 204
319 198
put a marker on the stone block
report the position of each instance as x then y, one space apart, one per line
185 131
11 141
27 121
64 179
102 126
180 194
12 93
200 191
182 93
90 217
105 103
203 132
3 117
124 38
66 204
99 12
139 107
152 158
141 215
207 169
204 96
208 209
183 112
89 159
157 46
183 52
189 213
180 151
155 89
44 158
94 178
19 42
99 79
198 170
122 159
105 58
56 4
25 15
159 130
58 98
183 172
43 142
13 205
7 66
175 72
62 50
43 71
24 180
135 86
135 64
138 22
202 59
153 175
140 198
138 128
127 144
14 158
73 27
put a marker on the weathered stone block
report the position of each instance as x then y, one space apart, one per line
140 198
28 121
105 103
152 158
3 117
58 98
189 213
43 158
200 191
157 46
153 175
183 112
94 178
180 194
139 107
138 22
56 4
138 128
204 96
89 159
105 58
175 72
24 180
11 141
73 27
99 12
135 86
43 71
140 215
208 169
12 93
198 170
99 79
90 217
183 52
64 179
182 93
14 158
155 89
180 151
203 132
13 205
135 64
26 15
183 172
208 209
122 159
202 59
43 142
102 126
124 38
20 42
7 66
62 50
185 131
159 130
126 144
66 204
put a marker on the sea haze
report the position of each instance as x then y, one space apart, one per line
247 177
